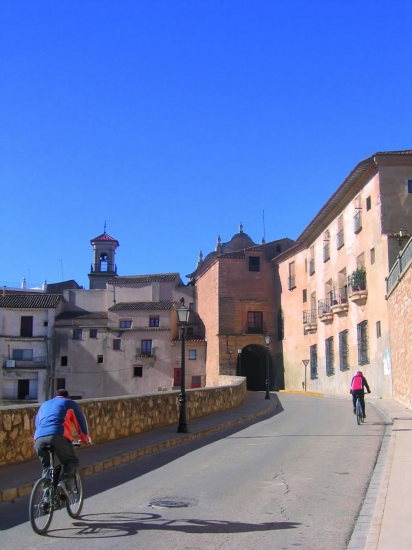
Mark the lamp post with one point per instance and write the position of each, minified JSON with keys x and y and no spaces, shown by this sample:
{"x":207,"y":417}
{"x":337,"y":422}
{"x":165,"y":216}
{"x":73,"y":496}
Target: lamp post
{"x":183,"y":315}
{"x":305,"y":362}
{"x":267,"y":342}
{"x":239,"y":351}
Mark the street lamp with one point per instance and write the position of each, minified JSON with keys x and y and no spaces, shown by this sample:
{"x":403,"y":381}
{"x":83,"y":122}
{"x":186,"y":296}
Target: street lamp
{"x":267,"y":342}
{"x":183,"y":315}
{"x":239,"y":351}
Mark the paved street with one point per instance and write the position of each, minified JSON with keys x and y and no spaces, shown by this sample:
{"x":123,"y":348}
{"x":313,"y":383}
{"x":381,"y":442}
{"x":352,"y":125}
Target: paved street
{"x":296,"y":479}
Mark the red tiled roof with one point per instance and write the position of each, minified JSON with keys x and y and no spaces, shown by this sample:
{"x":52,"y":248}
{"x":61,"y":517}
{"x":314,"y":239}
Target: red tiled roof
{"x":105,"y":237}
{"x":121,"y":306}
{"x":190,"y":339}
{"x":29,"y":301}
{"x":133,"y":279}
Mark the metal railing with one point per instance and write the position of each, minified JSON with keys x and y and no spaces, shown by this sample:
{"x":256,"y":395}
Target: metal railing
{"x":401,"y":264}
{"x":309,"y":316}
{"x":324,"y":307}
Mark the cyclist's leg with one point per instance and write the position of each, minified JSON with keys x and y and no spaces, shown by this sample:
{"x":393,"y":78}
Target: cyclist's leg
{"x":43,"y":455}
{"x":354,"y":401}
{"x":362,"y":400}
{"x":65,"y":453}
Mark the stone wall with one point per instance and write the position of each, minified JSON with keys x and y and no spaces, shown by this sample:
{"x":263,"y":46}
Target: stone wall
{"x":400,"y":323}
{"x":116,"y":417}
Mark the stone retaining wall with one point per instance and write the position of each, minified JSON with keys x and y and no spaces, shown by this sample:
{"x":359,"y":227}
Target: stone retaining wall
{"x":116,"y":417}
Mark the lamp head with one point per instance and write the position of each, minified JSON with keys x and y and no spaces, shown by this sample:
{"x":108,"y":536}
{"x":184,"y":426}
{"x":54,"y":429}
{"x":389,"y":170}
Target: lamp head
{"x":267,"y":339}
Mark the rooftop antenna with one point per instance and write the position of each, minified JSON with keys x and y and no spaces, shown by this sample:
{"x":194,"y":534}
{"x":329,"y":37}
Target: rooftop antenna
{"x":264,"y":230}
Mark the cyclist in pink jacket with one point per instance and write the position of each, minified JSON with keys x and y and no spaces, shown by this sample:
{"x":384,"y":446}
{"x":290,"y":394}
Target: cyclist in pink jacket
{"x":357,"y":389}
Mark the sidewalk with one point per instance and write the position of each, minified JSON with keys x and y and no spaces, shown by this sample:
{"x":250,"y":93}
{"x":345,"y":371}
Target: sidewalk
{"x":17,"y":480}
{"x":385,"y":521}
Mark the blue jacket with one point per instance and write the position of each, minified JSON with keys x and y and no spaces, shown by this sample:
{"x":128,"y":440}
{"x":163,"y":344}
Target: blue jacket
{"x":57,"y":416}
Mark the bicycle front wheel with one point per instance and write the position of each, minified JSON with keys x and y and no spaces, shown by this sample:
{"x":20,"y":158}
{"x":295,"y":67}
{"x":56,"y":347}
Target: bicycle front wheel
{"x":41,"y":505}
{"x":76,"y":491}
{"x":359,"y":413}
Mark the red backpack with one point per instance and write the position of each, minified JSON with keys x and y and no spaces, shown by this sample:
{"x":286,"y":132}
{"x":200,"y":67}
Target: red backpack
{"x":357,"y":382}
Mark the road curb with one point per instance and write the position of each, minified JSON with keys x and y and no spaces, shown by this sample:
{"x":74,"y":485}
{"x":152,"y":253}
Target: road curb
{"x":315,"y":394}
{"x":11,"y":494}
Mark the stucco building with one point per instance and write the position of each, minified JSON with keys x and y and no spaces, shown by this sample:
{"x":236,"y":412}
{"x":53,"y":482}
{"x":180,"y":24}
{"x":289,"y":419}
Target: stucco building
{"x":330,"y":319}
{"x":26,"y":344}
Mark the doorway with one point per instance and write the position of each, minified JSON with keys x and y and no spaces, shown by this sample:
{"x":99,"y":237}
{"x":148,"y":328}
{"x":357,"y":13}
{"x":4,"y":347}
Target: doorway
{"x":23,"y":389}
{"x":252,"y":365}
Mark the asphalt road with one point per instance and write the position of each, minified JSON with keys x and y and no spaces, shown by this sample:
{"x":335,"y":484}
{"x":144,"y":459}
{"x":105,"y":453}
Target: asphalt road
{"x":294,"y":480}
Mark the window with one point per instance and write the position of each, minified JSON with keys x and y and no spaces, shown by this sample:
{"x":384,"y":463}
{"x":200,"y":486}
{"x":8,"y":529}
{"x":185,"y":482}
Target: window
{"x":281,"y":325}
{"x":117,"y":344}
{"x":154,"y":321}
{"x":372,"y":256}
{"x":138,"y":372}
{"x":26,"y":326}
{"x":340,"y":240}
{"x":291,"y":278}
{"x":363,"y":350}
{"x":329,"y":356}
{"x":368,"y":203}
{"x":254,"y":263}
{"x":45,"y":323}
{"x":409,"y":186}
{"x":312,"y":260}
{"x":192,"y":354}
{"x":93,"y":333}
{"x":326,"y":246}
{"x":196,"y":382}
{"x":60,"y":383}
{"x":313,"y":362}
{"x":378,"y":329}
{"x":343,"y":351}
{"x":357,"y":220}
{"x":191,"y":306}
{"x":255,"y":322}
{"x":189,"y":331}
{"x":100,"y":358}
{"x":306,"y":265}
{"x":125,"y":323}
{"x":146,"y":347}
{"x":23,"y":354}
{"x":304,"y":295}
{"x":77,"y":334}
{"x":63,"y":361}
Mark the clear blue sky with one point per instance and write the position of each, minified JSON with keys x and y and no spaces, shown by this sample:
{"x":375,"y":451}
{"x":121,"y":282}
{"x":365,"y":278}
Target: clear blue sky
{"x":174,"y":120}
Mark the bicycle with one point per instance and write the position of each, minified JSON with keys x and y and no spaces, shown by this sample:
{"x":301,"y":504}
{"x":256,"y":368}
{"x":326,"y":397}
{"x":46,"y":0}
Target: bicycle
{"x":51,"y":493}
{"x":360,"y":416}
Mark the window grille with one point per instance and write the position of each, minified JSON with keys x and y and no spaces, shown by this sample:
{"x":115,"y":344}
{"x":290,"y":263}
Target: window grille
{"x":313,"y":362}
{"x":329,"y":356}
{"x":363,"y":349}
{"x":343,"y":351}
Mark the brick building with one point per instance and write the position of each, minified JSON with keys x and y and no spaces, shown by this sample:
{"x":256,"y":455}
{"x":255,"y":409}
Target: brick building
{"x":237,"y":307}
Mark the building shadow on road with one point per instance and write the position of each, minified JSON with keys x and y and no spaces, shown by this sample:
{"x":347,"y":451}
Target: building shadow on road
{"x":94,"y":526}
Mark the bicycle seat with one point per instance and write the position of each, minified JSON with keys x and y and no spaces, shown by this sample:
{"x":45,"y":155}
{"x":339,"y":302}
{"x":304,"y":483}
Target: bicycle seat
{"x":47,"y":447}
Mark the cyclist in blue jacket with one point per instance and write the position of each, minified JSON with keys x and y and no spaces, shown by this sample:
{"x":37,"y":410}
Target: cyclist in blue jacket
{"x":53,"y":424}
{"x":357,"y":389}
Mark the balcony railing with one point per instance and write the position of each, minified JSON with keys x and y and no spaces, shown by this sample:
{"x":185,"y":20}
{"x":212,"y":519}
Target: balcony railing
{"x":340,"y":239}
{"x":357,"y":221}
{"x":291,"y":282}
{"x":324,"y":307}
{"x":309,"y":317}
{"x":340,"y":296}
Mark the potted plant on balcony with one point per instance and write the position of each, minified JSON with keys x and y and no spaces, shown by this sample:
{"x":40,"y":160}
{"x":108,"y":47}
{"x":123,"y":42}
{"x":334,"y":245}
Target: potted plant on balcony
{"x":358,"y":279}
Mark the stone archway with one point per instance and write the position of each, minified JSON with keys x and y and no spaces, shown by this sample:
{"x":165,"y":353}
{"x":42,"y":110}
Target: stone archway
{"x":252,"y":365}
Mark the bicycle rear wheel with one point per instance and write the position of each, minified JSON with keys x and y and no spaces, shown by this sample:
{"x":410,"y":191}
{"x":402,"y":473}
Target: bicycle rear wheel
{"x":76,"y":491}
{"x":41,"y":505}
{"x":359,"y":413}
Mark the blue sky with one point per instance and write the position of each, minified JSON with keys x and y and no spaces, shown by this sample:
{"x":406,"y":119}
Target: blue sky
{"x":174,"y":120}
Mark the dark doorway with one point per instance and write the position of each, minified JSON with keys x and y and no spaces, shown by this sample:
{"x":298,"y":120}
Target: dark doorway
{"x":23,"y":389}
{"x":252,"y":365}
{"x":26,"y":326}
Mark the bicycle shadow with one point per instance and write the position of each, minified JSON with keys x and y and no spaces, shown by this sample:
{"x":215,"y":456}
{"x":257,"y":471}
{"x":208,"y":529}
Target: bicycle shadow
{"x":129,"y":524}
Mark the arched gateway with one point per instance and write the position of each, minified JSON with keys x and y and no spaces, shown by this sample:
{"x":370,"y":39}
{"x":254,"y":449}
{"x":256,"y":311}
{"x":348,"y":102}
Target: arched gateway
{"x":252,"y":363}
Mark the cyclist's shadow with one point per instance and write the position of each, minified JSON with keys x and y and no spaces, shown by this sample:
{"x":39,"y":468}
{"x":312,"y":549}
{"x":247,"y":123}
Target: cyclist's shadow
{"x":128,"y":524}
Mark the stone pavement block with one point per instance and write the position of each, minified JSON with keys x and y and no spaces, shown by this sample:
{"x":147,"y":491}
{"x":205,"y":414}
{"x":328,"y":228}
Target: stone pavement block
{"x":25,"y":490}
{"x":108,"y":464}
{"x":10,"y":494}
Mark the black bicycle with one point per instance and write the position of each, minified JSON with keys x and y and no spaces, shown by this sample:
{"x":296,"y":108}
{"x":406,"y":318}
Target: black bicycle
{"x":51,"y":493}
{"x":360,"y":417}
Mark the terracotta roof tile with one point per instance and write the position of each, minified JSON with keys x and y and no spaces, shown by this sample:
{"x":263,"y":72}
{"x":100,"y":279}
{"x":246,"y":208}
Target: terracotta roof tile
{"x":105,"y":237}
{"x":121,"y":306}
{"x":190,"y":339}
{"x":133,"y":279}
{"x":29,"y":301}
